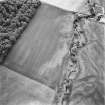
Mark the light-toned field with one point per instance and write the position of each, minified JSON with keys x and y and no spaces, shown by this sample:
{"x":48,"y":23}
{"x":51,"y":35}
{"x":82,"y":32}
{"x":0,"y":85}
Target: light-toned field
{"x":93,"y":55}
{"x":69,"y":5}
{"x":93,"y":69}
{"x":16,"y":89}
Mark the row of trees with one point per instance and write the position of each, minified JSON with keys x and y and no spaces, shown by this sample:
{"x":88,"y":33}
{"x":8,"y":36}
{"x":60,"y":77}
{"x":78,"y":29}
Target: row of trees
{"x":15,"y":16}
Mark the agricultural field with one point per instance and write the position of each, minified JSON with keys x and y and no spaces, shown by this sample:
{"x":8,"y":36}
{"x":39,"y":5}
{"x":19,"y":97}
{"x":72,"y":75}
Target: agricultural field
{"x":16,"y":89}
{"x":58,"y":58}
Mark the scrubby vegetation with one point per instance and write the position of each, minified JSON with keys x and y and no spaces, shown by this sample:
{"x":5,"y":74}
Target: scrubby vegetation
{"x":15,"y":15}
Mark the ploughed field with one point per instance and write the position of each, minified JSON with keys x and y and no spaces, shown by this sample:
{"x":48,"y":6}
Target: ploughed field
{"x":40,"y":44}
